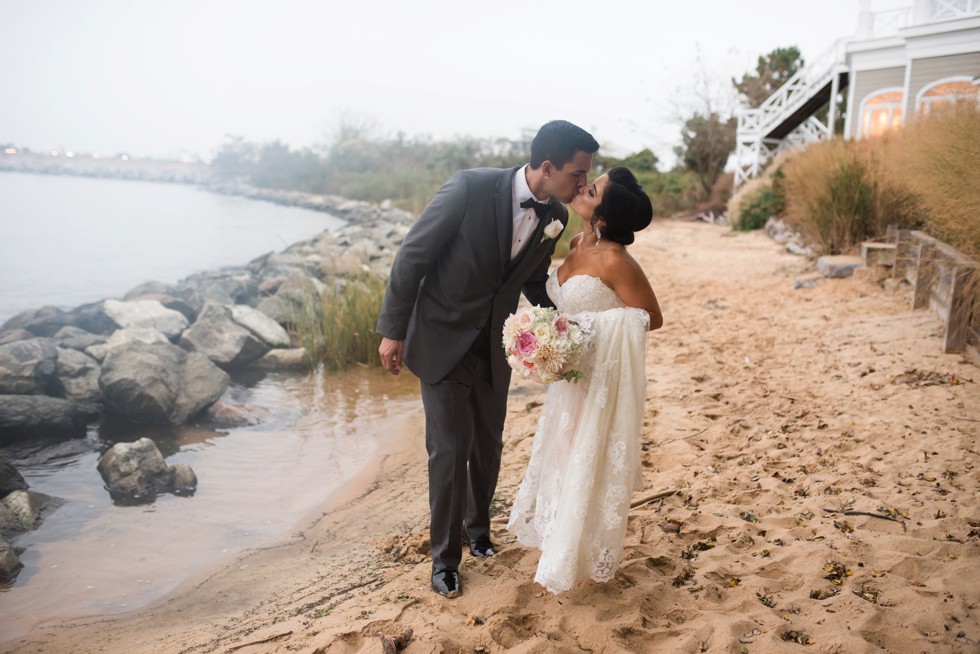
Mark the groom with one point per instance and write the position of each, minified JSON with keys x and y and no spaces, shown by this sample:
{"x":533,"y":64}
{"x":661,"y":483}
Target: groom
{"x":487,"y":235}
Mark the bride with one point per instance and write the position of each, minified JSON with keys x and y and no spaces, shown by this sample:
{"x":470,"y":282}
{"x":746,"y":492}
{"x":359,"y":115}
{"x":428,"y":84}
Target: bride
{"x":575,"y":496}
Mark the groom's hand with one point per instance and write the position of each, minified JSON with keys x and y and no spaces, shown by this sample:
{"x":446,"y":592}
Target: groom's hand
{"x":391,"y":354}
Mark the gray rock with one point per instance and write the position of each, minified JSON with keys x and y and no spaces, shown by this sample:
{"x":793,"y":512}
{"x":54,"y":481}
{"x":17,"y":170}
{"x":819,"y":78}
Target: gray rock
{"x":27,"y":506}
{"x":159,"y":383}
{"x":225,"y":416}
{"x":221,"y":339}
{"x":45,"y":321}
{"x":297,"y":292}
{"x":150,"y":288}
{"x":282,"y":359}
{"x":170,"y":302}
{"x":262,"y":326}
{"x":28,"y":366}
{"x":14,"y":335}
{"x":10,"y":479}
{"x":137,"y":472}
{"x":76,"y":338}
{"x":124,"y":336}
{"x":78,"y":376}
{"x":9,"y":524}
{"x":33,"y":415}
{"x":10,"y":564}
{"x":92,"y":318}
{"x":147,"y":313}
{"x":838,"y":266}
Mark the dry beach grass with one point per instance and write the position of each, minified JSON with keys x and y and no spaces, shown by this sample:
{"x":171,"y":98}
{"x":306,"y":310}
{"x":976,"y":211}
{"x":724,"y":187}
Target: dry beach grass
{"x":824,"y":454}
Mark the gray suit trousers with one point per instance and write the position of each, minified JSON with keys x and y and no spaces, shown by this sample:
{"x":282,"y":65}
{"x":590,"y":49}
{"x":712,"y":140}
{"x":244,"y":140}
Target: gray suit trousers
{"x":464,"y":422}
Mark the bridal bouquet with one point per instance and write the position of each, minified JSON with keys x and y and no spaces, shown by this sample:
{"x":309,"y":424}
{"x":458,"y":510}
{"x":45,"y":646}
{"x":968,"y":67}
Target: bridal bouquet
{"x":543,"y":345}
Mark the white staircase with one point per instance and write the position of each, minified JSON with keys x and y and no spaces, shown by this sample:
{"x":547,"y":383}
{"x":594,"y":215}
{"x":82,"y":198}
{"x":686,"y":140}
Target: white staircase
{"x":786,"y":119}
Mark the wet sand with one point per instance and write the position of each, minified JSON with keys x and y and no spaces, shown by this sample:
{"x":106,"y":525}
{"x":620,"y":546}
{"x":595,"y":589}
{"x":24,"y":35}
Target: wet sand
{"x":821,"y":449}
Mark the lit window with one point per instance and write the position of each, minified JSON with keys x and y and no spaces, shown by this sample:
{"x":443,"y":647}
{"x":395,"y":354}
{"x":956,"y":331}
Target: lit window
{"x":881,"y":113}
{"x":946,"y":93}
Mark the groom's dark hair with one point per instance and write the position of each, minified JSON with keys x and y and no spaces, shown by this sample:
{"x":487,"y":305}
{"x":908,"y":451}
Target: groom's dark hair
{"x":558,"y":141}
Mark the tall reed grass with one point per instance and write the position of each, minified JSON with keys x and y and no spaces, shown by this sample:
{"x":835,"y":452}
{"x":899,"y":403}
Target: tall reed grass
{"x":937,"y":158}
{"x":839,"y":193}
{"x":337,"y":326}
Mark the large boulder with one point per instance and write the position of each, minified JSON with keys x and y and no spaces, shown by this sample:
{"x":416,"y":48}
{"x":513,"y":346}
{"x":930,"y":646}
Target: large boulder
{"x":78,"y":376}
{"x":10,"y":564}
{"x":221,"y":339}
{"x":28,"y":507}
{"x":28,"y":367}
{"x":92,"y":318}
{"x":33,"y":415}
{"x":76,"y":338}
{"x":14,"y":335}
{"x":282,"y":359}
{"x":45,"y":321}
{"x":159,"y":383}
{"x":262,"y":326}
{"x":146,"y":313}
{"x":123,"y":336}
{"x":10,"y":479}
{"x":137,"y":472}
{"x":292,"y":297}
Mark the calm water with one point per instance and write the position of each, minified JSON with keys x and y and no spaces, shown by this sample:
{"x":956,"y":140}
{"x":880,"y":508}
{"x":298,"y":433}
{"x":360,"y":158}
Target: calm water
{"x":70,"y":240}
{"x":255,"y":486}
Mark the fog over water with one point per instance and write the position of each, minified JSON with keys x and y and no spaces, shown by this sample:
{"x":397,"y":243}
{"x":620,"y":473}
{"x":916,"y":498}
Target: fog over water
{"x":70,"y":240}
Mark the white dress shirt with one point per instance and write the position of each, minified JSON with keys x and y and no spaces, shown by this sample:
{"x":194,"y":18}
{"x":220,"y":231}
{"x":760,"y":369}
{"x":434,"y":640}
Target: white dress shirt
{"x":525,"y":220}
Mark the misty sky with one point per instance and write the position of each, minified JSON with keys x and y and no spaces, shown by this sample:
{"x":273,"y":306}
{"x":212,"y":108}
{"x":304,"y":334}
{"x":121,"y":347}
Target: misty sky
{"x":170,"y":77}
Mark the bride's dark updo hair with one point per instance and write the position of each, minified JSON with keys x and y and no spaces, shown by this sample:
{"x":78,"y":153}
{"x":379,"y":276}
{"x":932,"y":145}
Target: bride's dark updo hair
{"x":625,"y":207}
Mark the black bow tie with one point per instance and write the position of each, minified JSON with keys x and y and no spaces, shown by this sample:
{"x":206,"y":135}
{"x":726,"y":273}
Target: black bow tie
{"x":540,"y":208}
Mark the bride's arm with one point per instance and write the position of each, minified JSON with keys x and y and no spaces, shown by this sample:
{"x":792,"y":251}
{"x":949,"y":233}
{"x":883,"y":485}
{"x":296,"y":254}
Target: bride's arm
{"x":627,"y":278}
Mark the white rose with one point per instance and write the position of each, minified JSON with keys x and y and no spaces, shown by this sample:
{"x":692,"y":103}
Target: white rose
{"x":553,"y":229}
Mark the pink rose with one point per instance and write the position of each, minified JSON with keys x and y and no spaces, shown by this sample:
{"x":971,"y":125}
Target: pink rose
{"x":526,"y":343}
{"x":561,"y":325}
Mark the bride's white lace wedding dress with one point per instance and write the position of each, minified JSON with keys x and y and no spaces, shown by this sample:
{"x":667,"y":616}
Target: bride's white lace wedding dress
{"x":585,"y":460}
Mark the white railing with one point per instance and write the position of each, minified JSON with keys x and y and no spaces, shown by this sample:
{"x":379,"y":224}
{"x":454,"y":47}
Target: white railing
{"x":889,"y":22}
{"x":947,"y":9}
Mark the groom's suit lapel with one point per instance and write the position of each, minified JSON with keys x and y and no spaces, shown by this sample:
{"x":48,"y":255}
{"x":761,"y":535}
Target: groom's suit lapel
{"x":503,"y":203}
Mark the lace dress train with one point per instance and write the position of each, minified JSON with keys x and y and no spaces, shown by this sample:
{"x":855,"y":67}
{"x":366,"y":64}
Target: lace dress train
{"x":574,"y":499}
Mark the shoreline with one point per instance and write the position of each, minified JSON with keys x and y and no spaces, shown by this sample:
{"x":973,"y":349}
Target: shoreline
{"x":773,"y":410}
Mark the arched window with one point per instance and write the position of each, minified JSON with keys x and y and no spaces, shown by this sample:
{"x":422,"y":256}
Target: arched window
{"x":881,"y":112}
{"x":946,"y":93}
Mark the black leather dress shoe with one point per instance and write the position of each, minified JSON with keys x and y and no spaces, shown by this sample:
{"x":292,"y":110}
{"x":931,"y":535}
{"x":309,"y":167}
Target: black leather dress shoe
{"x":446,"y":583}
{"x":482,"y":549}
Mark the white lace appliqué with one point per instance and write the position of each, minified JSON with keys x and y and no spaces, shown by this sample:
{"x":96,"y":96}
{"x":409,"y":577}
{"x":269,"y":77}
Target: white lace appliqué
{"x":574,"y":498}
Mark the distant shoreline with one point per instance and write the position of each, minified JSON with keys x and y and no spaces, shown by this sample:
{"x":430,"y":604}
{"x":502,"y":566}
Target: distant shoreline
{"x":147,"y":170}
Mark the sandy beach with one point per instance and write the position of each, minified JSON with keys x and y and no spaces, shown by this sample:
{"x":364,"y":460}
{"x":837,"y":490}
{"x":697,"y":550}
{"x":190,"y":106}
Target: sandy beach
{"x":816,"y":455}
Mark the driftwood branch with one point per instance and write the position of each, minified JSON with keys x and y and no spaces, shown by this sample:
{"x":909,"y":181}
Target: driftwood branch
{"x":260,"y":642}
{"x":652,"y":498}
{"x":867,"y":513}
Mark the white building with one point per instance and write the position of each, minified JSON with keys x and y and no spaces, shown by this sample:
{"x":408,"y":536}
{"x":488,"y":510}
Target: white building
{"x":901,"y":64}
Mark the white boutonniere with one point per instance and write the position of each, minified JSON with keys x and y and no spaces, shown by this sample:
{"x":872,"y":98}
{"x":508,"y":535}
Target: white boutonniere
{"x":553,"y":229}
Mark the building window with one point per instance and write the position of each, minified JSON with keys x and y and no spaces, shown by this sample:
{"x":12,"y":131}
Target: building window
{"x":881,"y":112}
{"x":946,"y":93}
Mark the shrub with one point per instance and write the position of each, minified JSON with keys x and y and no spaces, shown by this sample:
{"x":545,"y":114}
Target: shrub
{"x":838,"y":195}
{"x":755,"y":208}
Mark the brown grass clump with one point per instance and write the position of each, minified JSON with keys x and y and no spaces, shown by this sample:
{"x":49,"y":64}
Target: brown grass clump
{"x":838,"y":194}
{"x":937,"y":158}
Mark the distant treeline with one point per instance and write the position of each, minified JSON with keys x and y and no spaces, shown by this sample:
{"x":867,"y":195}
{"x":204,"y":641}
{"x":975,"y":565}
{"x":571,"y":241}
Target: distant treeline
{"x":408,"y":171}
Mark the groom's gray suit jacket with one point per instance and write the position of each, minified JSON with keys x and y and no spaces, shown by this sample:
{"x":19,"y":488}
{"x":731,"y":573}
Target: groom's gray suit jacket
{"x":452,"y":275}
